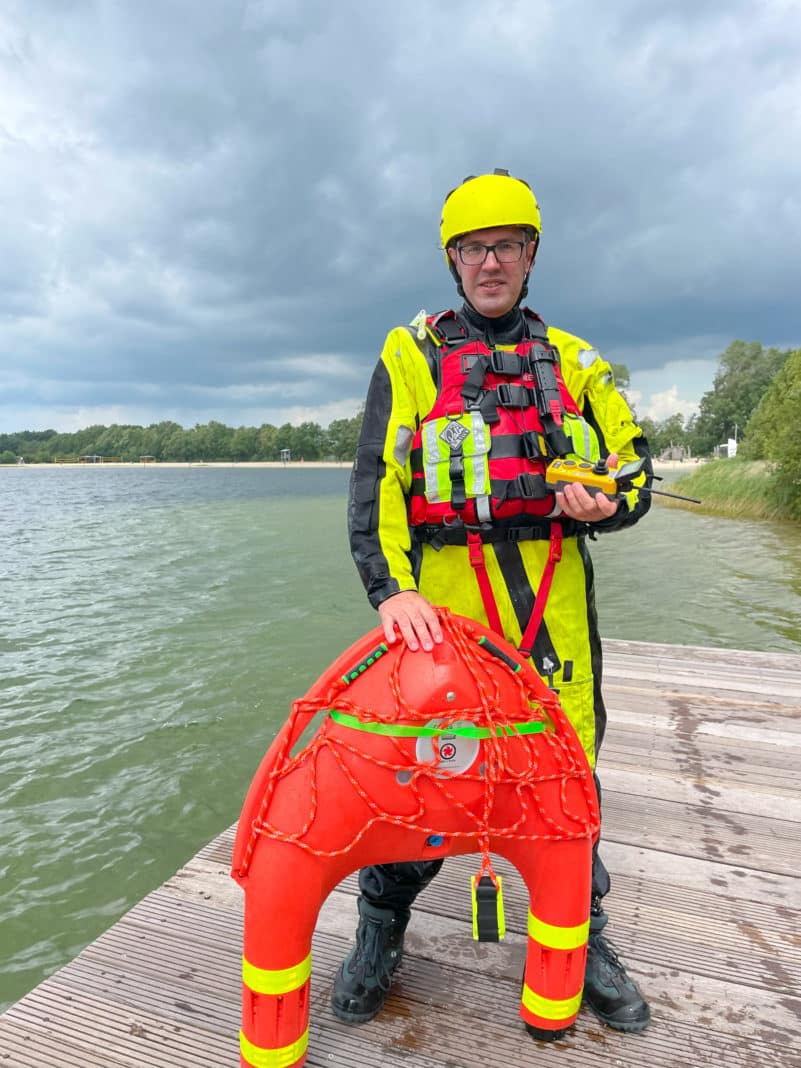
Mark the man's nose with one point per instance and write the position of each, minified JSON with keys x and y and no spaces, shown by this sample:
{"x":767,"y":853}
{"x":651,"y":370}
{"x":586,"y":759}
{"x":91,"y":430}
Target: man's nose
{"x":491,"y":252}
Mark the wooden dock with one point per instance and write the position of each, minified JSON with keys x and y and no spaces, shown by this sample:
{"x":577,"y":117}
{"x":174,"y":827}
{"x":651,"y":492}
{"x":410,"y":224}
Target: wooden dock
{"x":702,"y":829}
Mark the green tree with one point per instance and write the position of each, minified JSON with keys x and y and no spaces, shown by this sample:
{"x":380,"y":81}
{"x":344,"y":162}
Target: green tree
{"x":179,"y":446}
{"x":744,"y":373}
{"x":267,"y":437}
{"x":8,"y":457}
{"x":772,"y":432}
{"x":307,"y":443}
{"x":342,"y":437}
{"x":212,"y":441}
{"x":670,"y":431}
{"x":156,"y":436}
{"x":245,"y":443}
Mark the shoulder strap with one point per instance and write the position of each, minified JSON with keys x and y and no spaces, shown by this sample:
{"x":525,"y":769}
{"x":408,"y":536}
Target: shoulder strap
{"x":433,"y":334}
{"x":535,"y":327}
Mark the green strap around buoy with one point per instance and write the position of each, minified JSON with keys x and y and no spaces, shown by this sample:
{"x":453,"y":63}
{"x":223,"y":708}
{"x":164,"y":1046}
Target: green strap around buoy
{"x":408,"y":730}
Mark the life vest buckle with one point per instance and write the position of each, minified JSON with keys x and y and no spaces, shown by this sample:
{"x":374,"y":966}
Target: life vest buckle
{"x":475,"y":547}
{"x":530,"y":444}
{"x":502,"y":362}
{"x":515,"y":396}
{"x":529,"y":487}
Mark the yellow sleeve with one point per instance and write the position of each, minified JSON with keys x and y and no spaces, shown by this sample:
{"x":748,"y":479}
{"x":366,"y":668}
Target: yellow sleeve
{"x":401,"y":392}
{"x":589,"y":378}
{"x":591,"y":383}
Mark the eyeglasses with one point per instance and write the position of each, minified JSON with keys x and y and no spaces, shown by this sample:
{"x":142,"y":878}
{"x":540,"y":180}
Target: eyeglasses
{"x":505,"y":252}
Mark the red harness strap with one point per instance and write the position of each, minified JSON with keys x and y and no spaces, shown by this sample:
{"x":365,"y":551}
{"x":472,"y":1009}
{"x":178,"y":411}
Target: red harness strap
{"x":554,"y":556}
{"x":475,"y":548}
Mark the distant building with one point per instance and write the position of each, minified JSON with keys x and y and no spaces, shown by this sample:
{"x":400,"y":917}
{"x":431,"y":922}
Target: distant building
{"x":675,"y":452}
{"x":727,"y":449}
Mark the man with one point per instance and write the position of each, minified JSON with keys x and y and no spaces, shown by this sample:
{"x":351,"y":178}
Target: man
{"x":449,"y":506}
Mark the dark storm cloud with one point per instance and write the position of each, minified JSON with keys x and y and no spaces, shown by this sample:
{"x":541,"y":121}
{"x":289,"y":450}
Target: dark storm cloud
{"x":217,"y":210}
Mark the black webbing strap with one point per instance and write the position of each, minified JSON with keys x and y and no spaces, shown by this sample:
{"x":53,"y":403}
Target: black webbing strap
{"x":456,"y":476}
{"x":513,"y":446}
{"x":436,"y":535}
{"x":526,"y":487}
{"x":515,"y":396}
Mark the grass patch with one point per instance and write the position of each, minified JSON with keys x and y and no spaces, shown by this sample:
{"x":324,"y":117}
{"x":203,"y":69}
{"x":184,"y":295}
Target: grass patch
{"x":737,"y":488}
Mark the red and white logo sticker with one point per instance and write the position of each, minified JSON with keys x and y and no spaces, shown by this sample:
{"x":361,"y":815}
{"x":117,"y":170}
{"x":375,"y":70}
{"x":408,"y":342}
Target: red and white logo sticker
{"x":454,"y":753}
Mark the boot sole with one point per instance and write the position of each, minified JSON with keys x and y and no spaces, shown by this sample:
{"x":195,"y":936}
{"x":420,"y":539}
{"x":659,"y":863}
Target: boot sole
{"x":629,"y":1027}
{"x":355,"y":1017}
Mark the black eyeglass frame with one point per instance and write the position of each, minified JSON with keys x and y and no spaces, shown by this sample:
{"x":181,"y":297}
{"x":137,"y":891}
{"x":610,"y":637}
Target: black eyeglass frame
{"x":488,"y":249}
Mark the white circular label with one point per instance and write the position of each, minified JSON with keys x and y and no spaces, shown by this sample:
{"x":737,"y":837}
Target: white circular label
{"x":453,"y":752}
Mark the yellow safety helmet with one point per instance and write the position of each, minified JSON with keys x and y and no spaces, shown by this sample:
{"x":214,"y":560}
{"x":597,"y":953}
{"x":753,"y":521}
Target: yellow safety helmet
{"x":487,"y":200}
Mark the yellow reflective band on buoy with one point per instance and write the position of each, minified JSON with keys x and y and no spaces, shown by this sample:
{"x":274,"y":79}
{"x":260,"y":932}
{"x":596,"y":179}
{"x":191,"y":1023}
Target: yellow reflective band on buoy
{"x":548,"y":1008}
{"x":279,"y":981}
{"x":283,"y":1057}
{"x":557,"y":937}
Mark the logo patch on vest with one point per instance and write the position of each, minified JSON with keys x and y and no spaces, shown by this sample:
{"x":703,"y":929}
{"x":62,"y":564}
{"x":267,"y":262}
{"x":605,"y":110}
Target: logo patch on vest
{"x":454,"y":434}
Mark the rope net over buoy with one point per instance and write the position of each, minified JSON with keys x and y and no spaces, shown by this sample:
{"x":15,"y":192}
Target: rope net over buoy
{"x":428,"y":742}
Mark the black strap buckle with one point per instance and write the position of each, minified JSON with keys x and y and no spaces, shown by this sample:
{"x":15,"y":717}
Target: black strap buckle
{"x":507,"y":363}
{"x":530,"y":487}
{"x":530,"y":445}
{"x":515,"y":396}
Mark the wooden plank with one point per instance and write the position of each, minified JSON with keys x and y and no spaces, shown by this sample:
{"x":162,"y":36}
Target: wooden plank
{"x":703,"y":832}
{"x":673,"y":785}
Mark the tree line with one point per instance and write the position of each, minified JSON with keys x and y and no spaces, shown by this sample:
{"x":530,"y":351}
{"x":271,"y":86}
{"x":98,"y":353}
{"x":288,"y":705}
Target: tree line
{"x":755,"y":399}
{"x":167,"y":441}
{"x":745,"y":371}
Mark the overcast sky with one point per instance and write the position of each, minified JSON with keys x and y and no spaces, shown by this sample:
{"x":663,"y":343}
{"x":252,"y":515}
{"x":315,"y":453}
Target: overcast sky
{"x":215,"y":209}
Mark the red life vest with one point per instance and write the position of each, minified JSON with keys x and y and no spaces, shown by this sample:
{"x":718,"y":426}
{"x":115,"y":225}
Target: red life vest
{"x":480,"y":454}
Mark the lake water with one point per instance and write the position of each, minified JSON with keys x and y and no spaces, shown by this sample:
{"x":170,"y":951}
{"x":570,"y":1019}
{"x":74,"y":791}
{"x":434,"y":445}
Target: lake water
{"x":155,"y":625}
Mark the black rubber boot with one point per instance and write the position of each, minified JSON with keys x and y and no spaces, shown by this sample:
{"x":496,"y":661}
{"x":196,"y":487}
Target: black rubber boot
{"x":364,"y":979}
{"x":608,"y":990}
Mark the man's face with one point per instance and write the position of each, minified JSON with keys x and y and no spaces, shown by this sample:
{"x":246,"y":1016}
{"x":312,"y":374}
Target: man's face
{"x":492,"y":287}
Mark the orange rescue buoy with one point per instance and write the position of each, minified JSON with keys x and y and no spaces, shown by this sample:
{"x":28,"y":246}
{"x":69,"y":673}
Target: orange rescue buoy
{"x":420,"y":755}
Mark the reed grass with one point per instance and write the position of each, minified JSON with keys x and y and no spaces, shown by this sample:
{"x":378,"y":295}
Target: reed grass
{"x":737,"y":488}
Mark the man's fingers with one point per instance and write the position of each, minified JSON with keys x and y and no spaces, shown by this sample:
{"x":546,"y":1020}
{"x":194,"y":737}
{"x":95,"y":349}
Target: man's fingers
{"x":410,"y":615}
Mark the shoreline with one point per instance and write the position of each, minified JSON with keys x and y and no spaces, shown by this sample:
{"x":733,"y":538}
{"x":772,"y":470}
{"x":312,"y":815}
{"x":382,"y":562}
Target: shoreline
{"x":295,"y":465}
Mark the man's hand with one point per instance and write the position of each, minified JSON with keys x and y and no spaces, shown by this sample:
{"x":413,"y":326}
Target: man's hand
{"x":414,"y":617}
{"x":576,"y":502}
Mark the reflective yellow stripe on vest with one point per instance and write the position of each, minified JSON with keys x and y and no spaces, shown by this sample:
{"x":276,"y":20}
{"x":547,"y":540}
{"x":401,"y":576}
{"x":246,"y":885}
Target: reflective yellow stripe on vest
{"x":276,"y":981}
{"x":549,"y":1009}
{"x":470,"y":435}
{"x":259,"y":1057}
{"x":557,"y":937}
{"x":583,"y":436}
